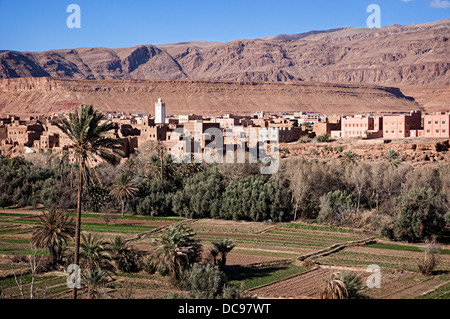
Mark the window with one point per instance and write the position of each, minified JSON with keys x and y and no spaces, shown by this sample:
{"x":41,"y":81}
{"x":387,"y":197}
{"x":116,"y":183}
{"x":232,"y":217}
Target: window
{"x":428,"y":131}
{"x":443,"y":122}
{"x":429,"y":122}
{"x":437,"y":131}
{"x":392,"y":123}
{"x":400,"y":124}
{"x":436,"y":122}
{"x":401,"y":131}
{"x":392,"y":132}
{"x":387,"y":132}
{"x":444,"y":131}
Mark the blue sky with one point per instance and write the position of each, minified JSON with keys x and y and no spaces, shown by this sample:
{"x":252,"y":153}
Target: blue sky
{"x":27,"y":25}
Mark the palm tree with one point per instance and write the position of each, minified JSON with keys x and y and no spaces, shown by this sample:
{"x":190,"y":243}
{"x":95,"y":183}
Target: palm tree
{"x":223,"y":247}
{"x":349,"y":158}
{"x":94,"y":280}
{"x":90,"y":139}
{"x":214,"y":253}
{"x":333,"y":288}
{"x":95,"y":254}
{"x":123,"y":189}
{"x":177,"y":250}
{"x":393,"y":158}
{"x":54,"y":230}
{"x":121,"y":254}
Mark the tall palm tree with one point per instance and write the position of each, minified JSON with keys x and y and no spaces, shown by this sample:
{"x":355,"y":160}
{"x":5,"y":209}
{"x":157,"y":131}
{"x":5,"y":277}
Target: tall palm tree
{"x":177,"y":250}
{"x":54,"y":230}
{"x":393,"y":158}
{"x":123,"y":189}
{"x":91,"y":139}
{"x":223,"y":247}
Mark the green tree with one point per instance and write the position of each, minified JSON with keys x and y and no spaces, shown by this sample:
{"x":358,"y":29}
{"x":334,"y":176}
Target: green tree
{"x":334,"y":207}
{"x":123,"y":189}
{"x":54,"y":230}
{"x":177,"y":250}
{"x":154,"y":198}
{"x":201,"y":196}
{"x":421,"y":215}
{"x":253,"y":198}
{"x":91,"y":138}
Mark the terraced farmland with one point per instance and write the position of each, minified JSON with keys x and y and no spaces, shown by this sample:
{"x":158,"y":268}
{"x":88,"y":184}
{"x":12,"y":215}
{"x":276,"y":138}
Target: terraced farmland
{"x":266,"y":258}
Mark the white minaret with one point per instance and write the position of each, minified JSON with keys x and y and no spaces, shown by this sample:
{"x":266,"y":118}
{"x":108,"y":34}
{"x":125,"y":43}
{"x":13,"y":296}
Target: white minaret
{"x":160,"y":112}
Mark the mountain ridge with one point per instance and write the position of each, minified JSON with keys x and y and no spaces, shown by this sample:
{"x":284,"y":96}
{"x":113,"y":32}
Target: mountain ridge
{"x":417,"y":54}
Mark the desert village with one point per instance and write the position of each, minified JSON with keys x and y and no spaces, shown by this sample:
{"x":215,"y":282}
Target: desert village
{"x":39,"y":133}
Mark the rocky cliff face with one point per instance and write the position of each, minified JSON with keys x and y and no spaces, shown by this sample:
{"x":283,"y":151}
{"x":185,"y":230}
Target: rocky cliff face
{"x":48,"y":95}
{"x":393,"y":55}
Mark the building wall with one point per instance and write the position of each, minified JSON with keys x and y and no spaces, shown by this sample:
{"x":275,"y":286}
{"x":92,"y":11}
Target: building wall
{"x":353,"y":127}
{"x":400,"y":126}
{"x":437,"y":125}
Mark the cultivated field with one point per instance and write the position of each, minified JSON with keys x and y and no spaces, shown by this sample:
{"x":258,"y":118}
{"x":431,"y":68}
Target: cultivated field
{"x":267,"y":258}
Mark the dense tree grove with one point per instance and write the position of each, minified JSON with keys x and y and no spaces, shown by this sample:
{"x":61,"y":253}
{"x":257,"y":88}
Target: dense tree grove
{"x":406,"y":202}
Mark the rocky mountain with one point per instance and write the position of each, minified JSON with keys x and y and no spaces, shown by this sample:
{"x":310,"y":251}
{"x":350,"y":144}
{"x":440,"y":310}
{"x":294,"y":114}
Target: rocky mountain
{"x":49,"y":95}
{"x":393,"y":55}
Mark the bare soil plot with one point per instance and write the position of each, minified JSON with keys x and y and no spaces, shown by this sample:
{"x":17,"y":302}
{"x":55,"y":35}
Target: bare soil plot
{"x":243,"y":259}
{"x":228,"y":226}
{"x":300,"y":286}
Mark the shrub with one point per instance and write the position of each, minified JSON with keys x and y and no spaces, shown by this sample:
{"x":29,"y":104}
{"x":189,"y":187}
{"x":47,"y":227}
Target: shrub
{"x":431,"y":258}
{"x":325,"y":138}
{"x":447,"y":217}
{"x":353,"y":283}
{"x":333,"y":288}
{"x":338,"y":149}
{"x":208,"y":282}
{"x":148,"y":264}
{"x":304,"y":140}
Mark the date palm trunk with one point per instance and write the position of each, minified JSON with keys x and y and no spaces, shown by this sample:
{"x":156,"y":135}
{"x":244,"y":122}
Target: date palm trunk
{"x":78,"y":224}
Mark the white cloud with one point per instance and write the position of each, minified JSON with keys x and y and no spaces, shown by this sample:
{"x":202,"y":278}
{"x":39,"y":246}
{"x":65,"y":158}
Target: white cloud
{"x":440,"y":4}
{"x":406,"y":1}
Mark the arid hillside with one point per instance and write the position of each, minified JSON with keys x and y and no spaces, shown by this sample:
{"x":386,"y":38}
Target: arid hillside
{"x":393,"y":55}
{"x":48,"y":95}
